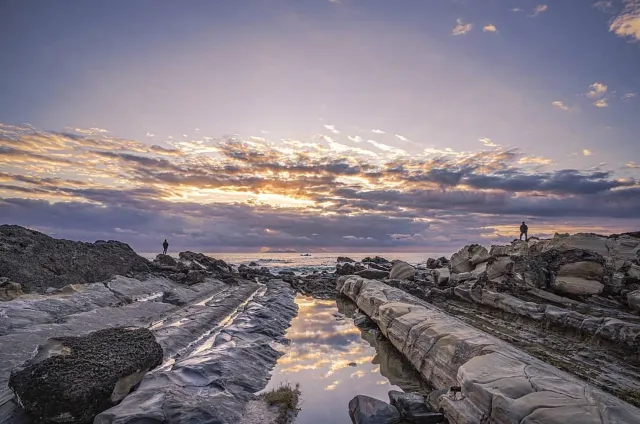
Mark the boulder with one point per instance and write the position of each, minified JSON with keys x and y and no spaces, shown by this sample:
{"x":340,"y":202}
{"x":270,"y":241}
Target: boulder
{"x":583,"y":269}
{"x":198,"y":261}
{"x":499,"y":268}
{"x":577,"y":286}
{"x":633,"y":299}
{"x":402,"y":271}
{"x":253,"y":263}
{"x":37,"y":261}
{"x":348,"y":268}
{"x":373,"y":274}
{"x":165,"y":260}
{"x":413,"y":408}
{"x":363,"y":321}
{"x":441,"y":276}
{"x":9,"y":290}
{"x":432,"y":263}
{"x":367,"y":410}
{"x":466,"y":259}
{"x":194,"y":277}
{"x":384,"y":267}
{"x":344,"y":259}
{"x":378,"y":260}
{"x":72,"y":379}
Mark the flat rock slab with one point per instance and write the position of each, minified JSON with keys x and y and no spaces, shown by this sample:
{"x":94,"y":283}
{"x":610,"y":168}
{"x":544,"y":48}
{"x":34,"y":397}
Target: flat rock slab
{"x":72,"y":379}
{"x":500,"y":383}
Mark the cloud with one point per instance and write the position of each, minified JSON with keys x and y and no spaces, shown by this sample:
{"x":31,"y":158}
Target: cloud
{"x":560,"y":105}
{"x":604,"y":5}
{"x":148,"y":134}
{"x":377,"y":131}
{"x":628,"y":96}
{"x":310,"y":194}
{"x":627,"y":23}
{"x":601,"y":103}
{"x":587,"y":152}
{"x":541,"y":8}
{"x":632,"y":165}
{"x":490,"y":28}
{"x":597,"y":90}
{"x":356,"y":139}
{"x":401,"y":137}
{"x":516,"y":10}
{"x":332,"y":128}
{"x":461,"y":28}
{"x":488,"y":143}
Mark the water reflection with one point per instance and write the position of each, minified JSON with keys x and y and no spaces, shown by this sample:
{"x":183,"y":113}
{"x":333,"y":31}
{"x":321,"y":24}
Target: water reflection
{"x":334,"y":361}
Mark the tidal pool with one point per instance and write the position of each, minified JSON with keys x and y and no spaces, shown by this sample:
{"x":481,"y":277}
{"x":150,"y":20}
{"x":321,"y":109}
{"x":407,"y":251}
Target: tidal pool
{"x":333,"y":361}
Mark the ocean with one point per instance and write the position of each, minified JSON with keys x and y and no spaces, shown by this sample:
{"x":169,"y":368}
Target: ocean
{"x":317,"y":261}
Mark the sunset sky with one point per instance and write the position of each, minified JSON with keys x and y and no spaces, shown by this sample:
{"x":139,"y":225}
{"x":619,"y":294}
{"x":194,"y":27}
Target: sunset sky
{"x":339,"y":125}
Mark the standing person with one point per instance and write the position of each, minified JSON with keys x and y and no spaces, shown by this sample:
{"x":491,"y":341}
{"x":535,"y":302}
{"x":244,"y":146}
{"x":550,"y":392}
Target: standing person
{"x":524,"y":230}
{"x":165,"y":246}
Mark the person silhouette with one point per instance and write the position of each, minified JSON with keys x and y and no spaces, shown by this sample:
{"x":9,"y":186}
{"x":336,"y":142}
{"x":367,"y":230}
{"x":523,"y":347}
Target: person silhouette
{"x":524,"y":230}
{"x":165,"y":246}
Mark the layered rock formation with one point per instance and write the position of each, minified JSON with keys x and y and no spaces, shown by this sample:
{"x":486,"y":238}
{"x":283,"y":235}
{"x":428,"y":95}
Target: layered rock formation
{"x":499,"y":383}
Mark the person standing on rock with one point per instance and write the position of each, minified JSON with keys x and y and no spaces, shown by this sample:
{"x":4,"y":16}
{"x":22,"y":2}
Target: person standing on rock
{"x":523,"y":231}
{"x":165,"y":246}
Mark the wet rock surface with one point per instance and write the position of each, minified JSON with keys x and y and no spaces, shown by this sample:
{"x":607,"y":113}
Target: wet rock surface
{"x":413,"y":408}
{"x":37,"y":261}
{"x":72,"y":379}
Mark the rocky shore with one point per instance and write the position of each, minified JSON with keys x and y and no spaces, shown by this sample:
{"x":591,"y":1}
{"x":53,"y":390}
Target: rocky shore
{"x":534,"y":331}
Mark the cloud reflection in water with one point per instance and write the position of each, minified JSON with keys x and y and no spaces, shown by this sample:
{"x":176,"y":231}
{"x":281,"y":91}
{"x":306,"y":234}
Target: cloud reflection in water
{"x":324,"y":342}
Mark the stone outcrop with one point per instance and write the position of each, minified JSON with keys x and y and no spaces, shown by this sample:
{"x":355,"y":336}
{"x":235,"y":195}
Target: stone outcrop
{"x":467,"y":258}
{"x":9,"y":290}
{"x":199,"y":261}
{"x":72,"y":379}
{"x":349,"y":268}
{"x":500,"y":383}
{"x":373,"y":274}
{"x":402,"y":271}
{"x":344,"y":259}
{"x":37,"y":261}
{"x":633,"y":299}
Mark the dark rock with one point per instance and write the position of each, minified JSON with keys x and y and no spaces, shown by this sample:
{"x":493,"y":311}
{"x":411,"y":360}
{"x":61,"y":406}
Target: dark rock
{"x":165,"y":260}
{"x":363,"y":321}
{"x":373,"y":274}
{"x":290,"y":273}
{"x":384,"y":267}
{"x":378,"y":260}
{"x":37,"y":261}
{"x":173,"y":298}
{"x":9,"y":290}
{"x":344,"y":259}
{"x":194,"y":277}
{"x":253,"y":263}
{"x":413,"y":408}
{"x":348,"y":268}
{"x":72,"y":379}
{"x":198,"y":261}
{"x":433,"y":263}
{"x":367,"y":410}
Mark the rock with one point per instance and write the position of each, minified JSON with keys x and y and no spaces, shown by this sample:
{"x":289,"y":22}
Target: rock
{"x":252,"y":263}
{"x":402,"y":271}
{"x":363,"y":321}
{"x":633,"y":299}
{"x":378,"y":260}
{"x":367,"y":410}
{"x":441,"y":276}
{"x":577,"y":286}
{"x":373,"y":274}
{"x":344,"y":259}
{"x":384,"y":267}
{"x":165,"y":260}
{"x":170,"y":296}
{"x":582,"y":269}
{"x":37,"y":261}
{"x":9,"y":290}
{"x":287,"y":273}
{"x":348,"y":268}
{"x":72,"y":379}
{"x":466,"y":259}
{"x":194,"y":277}
{"x":413,"y":408}
{"x":198,"y":261}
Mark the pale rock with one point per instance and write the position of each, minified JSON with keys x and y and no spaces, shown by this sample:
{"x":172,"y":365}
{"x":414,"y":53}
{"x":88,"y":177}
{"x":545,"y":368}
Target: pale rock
{"x":402,"y":271}
{"x":577,"y":286}
{"x":633,"y":299}
{"x":584,"y":269}
{"x":441,"y":276}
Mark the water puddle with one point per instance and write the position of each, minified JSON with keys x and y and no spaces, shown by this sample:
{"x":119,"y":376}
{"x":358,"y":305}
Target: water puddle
{"x":333,"y":361}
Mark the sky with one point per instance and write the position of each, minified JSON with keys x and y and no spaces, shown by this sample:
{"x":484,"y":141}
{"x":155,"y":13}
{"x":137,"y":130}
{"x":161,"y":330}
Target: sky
{"x":319,"y":125}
